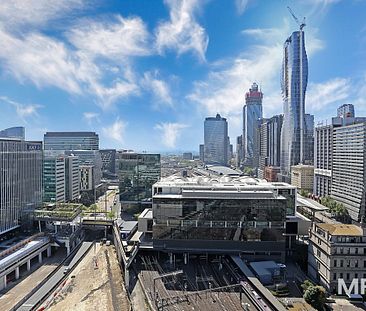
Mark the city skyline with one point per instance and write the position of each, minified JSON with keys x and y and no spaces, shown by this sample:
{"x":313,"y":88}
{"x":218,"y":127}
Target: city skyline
{"x":177,"y":65}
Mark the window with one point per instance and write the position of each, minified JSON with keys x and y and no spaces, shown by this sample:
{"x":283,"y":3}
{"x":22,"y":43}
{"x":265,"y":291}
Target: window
{"x":356,"y":250}
{"x":318,"y":253}
{"x":356,"y":264}
{"x":334,"y":276}
{"x":356,"y":275}
{"x":341,"y":275}
{"x":335,"y":263}
{"x":347,"y":276}
{"x":341,"y":263}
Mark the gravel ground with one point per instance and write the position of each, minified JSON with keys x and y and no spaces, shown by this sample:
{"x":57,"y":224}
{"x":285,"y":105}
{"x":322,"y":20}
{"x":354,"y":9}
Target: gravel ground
{"x":94,"y":288}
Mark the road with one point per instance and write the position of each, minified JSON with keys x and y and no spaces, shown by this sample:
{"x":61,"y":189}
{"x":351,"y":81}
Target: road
{"x":54,"y":279}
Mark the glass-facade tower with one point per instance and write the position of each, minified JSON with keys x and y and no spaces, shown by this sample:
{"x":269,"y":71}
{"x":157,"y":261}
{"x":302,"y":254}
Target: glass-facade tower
{"x":216,"y":140}
{"x":294,"y":78}
{"x":252,"y":112}
{"x":20,"y":181}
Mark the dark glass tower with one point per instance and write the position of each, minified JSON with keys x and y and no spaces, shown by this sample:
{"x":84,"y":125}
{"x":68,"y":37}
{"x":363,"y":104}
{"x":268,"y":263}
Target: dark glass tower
{"x":294,"y":79}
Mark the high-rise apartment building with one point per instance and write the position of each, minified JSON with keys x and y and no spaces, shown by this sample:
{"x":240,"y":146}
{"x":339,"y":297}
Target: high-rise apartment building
{"x":216,"y":140}
{"x":20,"y":181}
{"x":323,"y":160}
{"x":349,"y":168}
{"x":346,"y":110}
{"x":71,"y":141}
{"x":252,"y":113}
{"x":17,"y":132}
{"x":294,"y":80}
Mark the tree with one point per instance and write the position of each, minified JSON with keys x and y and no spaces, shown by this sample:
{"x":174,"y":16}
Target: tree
{"x":306,"y":285}
{"x":315,"y":296}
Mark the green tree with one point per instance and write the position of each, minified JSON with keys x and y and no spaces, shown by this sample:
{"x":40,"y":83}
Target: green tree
{"x":306,"y":285}
{"x":315,"y":296}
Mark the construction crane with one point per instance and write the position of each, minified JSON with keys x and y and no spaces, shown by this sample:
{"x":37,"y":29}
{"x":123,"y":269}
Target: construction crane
{"x":302,"y":25}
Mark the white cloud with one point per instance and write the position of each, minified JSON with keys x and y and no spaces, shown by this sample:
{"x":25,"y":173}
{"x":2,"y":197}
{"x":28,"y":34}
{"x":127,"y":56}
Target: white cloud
{"x":115,"y":131}
{"x":23,"y":111}
{"x":27,"y":13}
{"x":158,"y":87}
{"x":223,"y":91}
{"x":182,"y":33}
{"x":115,"y":38}
{"x":91,"y":116}
{"x":321,"y":95}
{"x":170,"y":132}
{"x":241,"y":5}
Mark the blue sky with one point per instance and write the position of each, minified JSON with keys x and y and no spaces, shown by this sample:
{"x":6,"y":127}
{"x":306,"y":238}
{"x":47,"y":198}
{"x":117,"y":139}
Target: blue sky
{"x":145,"y":73}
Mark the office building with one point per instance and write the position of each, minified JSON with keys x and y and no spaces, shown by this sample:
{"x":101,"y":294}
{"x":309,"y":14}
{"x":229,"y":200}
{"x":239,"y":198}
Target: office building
{"x":71,"y":141}
{"x":61,"y":179}
{"x":252,"y":113}
{"x":90,"y":157}
{"x":346,"y":111}
{"x":215,"y":140}
{"x":137,"y":172}
{"x":20,"y":181}
{"x":84,"y":145}
{"x":323,"y":160}
{"x":87,"y":178}
{"x":336,"y":251}
{"x":270,"y":143}
{"x":108,"y":162}
{"x":294,"y":78}
{"x":72,"y":178}
{"x":54,"y":179}
{"x":17,"y":132}
{"x":227,"y":214}
{"x":302,"y":177}
{"x":349,"y":168}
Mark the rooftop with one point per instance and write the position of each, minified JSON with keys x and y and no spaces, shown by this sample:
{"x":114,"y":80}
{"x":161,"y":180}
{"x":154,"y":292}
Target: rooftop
{"x":342,"y":229}
{"x":221,"y":182}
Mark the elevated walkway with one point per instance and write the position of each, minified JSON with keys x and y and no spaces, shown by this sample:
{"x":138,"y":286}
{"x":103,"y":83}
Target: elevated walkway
{"x":20,"y":254}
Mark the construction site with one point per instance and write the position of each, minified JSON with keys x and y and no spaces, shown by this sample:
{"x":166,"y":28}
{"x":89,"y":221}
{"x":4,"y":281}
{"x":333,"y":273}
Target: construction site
{"x":95,"y":284}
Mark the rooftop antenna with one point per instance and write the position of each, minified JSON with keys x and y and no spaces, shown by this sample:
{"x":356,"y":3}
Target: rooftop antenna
{"x":302,"y":24}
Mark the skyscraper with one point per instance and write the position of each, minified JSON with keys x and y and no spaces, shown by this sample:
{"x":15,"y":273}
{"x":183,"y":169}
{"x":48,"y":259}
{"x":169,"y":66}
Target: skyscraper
{"x":294,"y":78}
{"x":252,"y":112}
{"x":215,"y":140}
{"x":20,"y":181}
